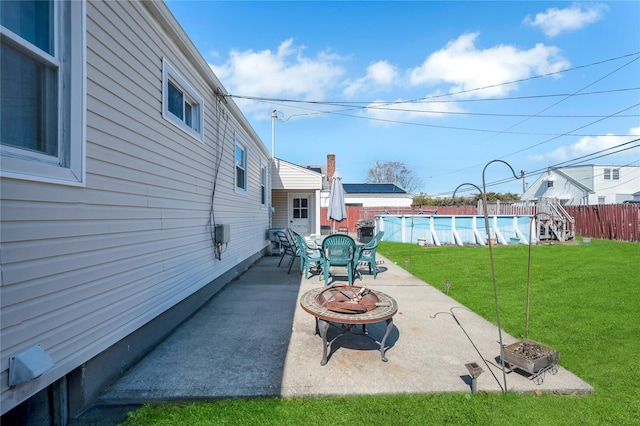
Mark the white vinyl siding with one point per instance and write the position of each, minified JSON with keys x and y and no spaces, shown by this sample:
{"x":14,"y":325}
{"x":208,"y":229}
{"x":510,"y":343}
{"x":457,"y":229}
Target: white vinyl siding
{"x":83,"y":267}
{"x":289,"y":176}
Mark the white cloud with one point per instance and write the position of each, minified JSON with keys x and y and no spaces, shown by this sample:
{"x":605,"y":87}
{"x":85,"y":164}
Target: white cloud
{"x":465,"y":67}
{"x":380,"y":76}
{"x":555,"y":21}
{"x":285,"y":73}
{"x":588,"y":145}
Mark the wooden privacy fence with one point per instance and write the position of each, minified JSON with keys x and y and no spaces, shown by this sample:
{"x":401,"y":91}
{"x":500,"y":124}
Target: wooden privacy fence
{"x":610,"y":221}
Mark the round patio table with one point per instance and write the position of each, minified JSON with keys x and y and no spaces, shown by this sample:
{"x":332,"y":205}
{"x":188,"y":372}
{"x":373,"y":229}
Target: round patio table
{"x":385,"y":312}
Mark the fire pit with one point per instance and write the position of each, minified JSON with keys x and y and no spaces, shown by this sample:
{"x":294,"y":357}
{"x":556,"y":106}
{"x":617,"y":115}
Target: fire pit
{"x":533,"y":358}
{"x":349,"y":305}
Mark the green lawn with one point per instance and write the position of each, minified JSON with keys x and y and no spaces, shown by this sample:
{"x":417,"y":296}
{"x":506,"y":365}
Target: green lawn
{"x":584,"y":302}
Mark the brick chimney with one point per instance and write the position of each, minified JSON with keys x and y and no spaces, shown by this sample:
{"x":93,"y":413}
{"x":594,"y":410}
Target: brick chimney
{"x":331,"y":167}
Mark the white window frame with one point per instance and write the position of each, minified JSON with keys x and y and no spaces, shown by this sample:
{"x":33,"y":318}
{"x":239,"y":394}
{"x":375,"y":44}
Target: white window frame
{"x":239,"y":144}
{"x":68,"y":167}
{"x":263,"y":185}
{"x":191,"y":97}
{"x":607,"y":174}
{"x":615,"y":174}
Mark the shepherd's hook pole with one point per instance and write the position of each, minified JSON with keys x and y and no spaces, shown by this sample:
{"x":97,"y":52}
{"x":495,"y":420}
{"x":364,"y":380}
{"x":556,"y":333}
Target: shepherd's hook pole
{"x":493,"y":269}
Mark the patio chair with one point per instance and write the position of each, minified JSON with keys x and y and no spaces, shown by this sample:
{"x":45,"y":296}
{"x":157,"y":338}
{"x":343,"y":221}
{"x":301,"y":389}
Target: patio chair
{"x":287,"y":247}
{"x":338,"y":250}
{"x":367,"y":253}
{"x":310,"y":255}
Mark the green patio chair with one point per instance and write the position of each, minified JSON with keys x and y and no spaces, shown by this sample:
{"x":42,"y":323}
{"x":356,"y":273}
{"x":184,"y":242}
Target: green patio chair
{"x":338,"y":250}
{"x":310,"y":255}
{"x":367,"y":253}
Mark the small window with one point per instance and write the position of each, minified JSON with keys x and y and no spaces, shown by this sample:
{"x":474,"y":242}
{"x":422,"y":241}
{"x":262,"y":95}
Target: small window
{"x":300,"y":208}
{"x":549,"y":184}
{"x":616,"y":174}
{"x":43,"y":90}
{"x":607,"y":174}
{"x":241,"y":166}
{"x":263,"y":186}
{"x":601,"y":200}
{"x":181,"y":104}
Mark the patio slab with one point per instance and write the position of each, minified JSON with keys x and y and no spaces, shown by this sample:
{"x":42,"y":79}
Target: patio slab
{"x":253,"y":339}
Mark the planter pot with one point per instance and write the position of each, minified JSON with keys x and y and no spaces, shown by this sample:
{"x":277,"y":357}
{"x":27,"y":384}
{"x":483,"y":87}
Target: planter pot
{"x":530,"y":356}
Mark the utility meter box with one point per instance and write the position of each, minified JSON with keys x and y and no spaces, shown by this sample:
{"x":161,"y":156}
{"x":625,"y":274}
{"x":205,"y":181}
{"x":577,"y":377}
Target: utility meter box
{"x":223,"y":234}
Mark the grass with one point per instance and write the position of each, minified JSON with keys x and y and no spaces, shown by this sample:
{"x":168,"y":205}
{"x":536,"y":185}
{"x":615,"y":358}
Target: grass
{"x":584,"y":302}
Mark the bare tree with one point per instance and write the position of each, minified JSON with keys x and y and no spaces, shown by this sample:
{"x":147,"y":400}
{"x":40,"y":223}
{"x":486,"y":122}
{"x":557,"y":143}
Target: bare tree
{"x":392,"y":172}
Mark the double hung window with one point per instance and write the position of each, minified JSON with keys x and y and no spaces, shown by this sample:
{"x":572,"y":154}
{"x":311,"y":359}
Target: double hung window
{"x":616,"y":174}
{"x":42,"y":90}
{"x":263,"y":186}
{"x":241,"y":166}
{"x":182,"y":105}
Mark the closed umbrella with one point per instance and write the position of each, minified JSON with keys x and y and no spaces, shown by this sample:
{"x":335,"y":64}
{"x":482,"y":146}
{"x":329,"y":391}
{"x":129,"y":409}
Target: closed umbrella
{"x":337,"y":210}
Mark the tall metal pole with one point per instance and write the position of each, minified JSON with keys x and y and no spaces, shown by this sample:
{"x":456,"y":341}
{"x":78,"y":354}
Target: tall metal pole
{"x":274,"y":114}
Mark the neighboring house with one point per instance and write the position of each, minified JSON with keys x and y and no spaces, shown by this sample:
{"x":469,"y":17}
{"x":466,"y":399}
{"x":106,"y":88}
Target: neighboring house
{"x":119,"y":159}
{"x":376,"y":195}
{"x":586,"y":185}
{"x":363,"y":194}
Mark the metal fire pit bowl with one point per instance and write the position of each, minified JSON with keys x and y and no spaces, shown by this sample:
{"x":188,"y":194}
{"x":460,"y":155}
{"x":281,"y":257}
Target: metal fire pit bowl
{"x":533,"y":358}
{"x":348,"y":299}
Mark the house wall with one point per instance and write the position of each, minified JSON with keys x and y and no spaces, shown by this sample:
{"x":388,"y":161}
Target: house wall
{"x":85,"y":267}
{"x":288,"y":178}
{"x":280,"y":200}
{"x":566,"y":188}
{"x":615,"y":191}
{"x":370,"y":200}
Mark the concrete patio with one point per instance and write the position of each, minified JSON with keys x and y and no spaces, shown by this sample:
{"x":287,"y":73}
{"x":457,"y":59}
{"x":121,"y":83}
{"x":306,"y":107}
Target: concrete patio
{"x":253,"y":339}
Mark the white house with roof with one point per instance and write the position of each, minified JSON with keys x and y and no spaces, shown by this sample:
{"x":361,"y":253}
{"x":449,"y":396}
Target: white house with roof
{"x":376,"y":195}
{"x":587,"y":185}
{"x":296,"y":197}
{"x":365,"y":194}
{"x":131,"y":191}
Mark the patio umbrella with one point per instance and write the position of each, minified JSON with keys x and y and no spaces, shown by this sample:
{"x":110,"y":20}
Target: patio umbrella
{"x":337,"y":210}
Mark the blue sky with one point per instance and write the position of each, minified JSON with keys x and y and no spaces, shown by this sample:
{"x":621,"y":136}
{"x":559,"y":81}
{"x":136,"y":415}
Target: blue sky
{"x":444,"y":87}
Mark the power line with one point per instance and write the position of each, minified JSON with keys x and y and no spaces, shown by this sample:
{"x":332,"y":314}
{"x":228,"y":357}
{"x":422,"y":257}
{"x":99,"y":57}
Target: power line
{"x":569,"y":163}
{"x":576,"y":161}
{"x":434,"y":98}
